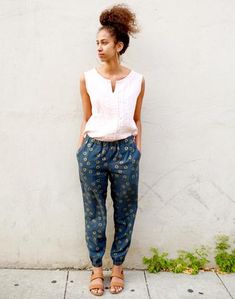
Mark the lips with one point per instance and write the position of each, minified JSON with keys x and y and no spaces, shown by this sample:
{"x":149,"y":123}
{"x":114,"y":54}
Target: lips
{"x":100,"y":54}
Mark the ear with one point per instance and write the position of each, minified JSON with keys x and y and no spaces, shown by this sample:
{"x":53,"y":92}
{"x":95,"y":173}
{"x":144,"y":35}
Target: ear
{"x":120,"y":46}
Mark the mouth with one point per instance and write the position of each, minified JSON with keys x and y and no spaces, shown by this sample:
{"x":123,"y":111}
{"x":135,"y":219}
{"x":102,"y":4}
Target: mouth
{"x":100,"y":55}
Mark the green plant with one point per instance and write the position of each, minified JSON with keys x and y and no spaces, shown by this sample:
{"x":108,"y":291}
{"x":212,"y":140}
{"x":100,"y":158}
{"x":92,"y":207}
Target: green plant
{"x":190,"y":261}
{"x":224,"y":259}
{"x":187,"y":262}
{"x":157,"y":262}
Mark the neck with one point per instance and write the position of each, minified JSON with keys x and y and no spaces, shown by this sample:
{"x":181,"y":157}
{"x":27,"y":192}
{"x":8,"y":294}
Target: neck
{"x":111,"y":67}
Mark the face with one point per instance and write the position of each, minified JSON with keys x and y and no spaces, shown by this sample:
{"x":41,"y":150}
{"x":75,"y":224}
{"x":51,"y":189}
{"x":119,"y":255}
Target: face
{"x":106,"y":49}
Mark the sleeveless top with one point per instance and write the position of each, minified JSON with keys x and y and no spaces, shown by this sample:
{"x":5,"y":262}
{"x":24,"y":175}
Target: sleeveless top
{"x":112,"y":112}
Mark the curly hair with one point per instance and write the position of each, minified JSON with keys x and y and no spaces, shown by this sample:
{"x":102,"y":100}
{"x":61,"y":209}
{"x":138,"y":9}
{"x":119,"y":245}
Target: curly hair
{"x":120,"y":21}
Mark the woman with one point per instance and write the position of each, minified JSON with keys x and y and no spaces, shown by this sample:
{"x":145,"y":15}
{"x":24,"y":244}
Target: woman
{"x":110,"y":145}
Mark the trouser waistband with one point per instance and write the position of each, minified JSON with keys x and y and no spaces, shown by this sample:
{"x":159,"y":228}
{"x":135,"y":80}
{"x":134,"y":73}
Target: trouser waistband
{"x":127,"y":140}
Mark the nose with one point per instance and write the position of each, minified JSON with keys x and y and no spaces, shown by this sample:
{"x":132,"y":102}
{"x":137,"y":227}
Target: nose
{"x":98,"y":47}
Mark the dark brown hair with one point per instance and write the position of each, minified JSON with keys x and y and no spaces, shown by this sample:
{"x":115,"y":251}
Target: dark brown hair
{"x":120,"y":21}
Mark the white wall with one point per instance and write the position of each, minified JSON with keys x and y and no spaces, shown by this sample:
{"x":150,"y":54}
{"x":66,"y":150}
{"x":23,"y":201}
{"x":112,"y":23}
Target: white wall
{"x":187,"y":168}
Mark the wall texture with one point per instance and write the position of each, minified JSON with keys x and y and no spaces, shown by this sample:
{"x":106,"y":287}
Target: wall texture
{"x":187,"y":169}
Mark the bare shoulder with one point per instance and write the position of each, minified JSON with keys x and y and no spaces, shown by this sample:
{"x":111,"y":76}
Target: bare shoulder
{"x":142,"y":91}
{"x":141,"y":77}
{"x":143,"y":81}
{"x":82,"y":78}
{"x":83,"y":87}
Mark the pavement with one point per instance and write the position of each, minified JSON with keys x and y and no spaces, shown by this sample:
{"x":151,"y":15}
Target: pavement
{"x":71,"y":284}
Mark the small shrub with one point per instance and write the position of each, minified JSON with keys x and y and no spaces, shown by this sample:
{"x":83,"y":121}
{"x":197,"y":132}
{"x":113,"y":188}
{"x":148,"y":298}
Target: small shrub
{"x":224,"y":259}
{"x":157,"y":262}
{"x":186,"y":262}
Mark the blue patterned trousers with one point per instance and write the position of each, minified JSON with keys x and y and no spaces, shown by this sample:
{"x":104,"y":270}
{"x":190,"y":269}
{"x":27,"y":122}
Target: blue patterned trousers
{"x":118,"y":162}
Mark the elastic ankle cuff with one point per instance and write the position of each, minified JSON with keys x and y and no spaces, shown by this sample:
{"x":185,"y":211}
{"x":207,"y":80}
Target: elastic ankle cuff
{"x":117,"y":263}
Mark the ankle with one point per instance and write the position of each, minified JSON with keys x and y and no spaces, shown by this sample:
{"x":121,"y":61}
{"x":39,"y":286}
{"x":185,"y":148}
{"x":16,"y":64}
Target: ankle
{"x":117,"y":266}
{"x":97,"y":268}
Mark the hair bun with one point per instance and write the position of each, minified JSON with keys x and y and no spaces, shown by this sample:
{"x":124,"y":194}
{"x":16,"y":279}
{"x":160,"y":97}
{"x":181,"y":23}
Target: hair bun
{"x":107,"y":22}
{"x":121,"y":17}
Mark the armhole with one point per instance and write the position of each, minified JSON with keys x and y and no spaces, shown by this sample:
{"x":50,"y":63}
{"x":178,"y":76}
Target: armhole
{"x":140,"y":83}
{"x":86,"y":81}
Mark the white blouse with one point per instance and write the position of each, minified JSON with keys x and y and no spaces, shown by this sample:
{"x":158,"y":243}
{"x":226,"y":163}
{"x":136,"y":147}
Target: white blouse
{"x":112,"y":112}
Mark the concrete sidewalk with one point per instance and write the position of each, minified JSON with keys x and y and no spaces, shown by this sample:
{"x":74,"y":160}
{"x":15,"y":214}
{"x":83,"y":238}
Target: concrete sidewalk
{"x":71,"y":284}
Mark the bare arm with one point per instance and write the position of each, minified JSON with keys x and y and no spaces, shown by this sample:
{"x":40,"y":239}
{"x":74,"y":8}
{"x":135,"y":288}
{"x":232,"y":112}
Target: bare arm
{"x":137,"y":115}
{"x":87,"y":108}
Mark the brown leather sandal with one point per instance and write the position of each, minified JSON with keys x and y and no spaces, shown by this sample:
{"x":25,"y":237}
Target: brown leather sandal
{"x":116,"y":273}
{"x":96,"y":285}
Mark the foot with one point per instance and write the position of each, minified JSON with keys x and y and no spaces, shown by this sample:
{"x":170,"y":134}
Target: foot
{"x":116,"y":280}
{"x":97,"y":281}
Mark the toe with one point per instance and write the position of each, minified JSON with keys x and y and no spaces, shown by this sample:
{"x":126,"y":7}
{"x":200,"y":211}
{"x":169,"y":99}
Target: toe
{"x":95,"y":291}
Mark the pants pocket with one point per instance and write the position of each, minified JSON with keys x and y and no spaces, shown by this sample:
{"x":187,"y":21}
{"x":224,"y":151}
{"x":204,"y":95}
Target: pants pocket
{"x":136,"y":148}
{"x":80,"y":148}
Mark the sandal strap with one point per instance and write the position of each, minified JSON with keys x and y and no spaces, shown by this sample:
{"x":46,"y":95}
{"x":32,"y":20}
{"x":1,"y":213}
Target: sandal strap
{"x":96,"y":275}
{"x":116,"y":273}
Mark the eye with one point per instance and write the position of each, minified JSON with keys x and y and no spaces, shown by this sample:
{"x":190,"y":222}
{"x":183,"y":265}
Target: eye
{"x":105,"y":43}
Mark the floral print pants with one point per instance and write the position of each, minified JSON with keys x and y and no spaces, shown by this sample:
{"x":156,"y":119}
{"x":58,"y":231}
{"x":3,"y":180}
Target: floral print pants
{"x":118,"y":162}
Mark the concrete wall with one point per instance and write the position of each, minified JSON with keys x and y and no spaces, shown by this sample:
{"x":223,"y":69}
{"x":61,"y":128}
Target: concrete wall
{"x":187,"y":170}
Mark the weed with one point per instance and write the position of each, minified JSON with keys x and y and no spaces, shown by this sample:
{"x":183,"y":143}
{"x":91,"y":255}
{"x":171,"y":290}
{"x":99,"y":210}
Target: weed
{"x":186,"y":262}
{"x":224,"y":259}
